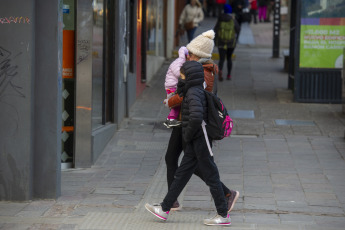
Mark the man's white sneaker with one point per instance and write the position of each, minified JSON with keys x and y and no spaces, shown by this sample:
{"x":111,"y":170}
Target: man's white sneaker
{"x":156,"y":209}
{"x":218,"y":220}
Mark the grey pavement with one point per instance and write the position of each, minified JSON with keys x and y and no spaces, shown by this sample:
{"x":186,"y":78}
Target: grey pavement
{"x":285,"y":158}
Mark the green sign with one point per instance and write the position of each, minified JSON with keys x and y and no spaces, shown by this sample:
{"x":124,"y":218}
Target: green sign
{"x":321,"y":46}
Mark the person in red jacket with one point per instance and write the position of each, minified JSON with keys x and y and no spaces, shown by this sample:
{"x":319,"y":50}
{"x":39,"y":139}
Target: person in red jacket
{"x":254,"y":10}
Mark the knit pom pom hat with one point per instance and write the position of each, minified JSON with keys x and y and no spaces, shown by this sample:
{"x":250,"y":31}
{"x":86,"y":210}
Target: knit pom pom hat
{"x":202,"y":45}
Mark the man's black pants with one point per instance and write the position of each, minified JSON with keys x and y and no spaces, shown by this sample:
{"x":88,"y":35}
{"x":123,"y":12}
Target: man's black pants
{"x":196,"y":154}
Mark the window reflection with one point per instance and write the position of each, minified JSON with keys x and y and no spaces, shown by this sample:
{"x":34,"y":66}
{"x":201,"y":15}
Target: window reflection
{"x":323,"y":8}
{"x":97,"y":62}
{"x":154,"y":28}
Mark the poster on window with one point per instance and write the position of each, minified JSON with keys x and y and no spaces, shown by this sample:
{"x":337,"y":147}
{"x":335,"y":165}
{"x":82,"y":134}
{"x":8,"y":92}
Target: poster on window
{"x":322,"y":37}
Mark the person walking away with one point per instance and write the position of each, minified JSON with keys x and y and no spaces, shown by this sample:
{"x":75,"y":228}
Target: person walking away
{"x":270,"y":6}
{"x":211,"y":8}
{"x":192,"y":14}
{"x":220,"y":5}
{"x":226,"y":30}
{"x":171,"y":79}
{"x":237,"y":6}
{"x":254,"y":10}
{"x":262,"y":10}
{"x":196,"y":153}
{"x":199,"y":49}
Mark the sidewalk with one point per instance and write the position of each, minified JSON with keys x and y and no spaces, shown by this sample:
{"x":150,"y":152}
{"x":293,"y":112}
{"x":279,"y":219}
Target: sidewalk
{"x":285,"y":158}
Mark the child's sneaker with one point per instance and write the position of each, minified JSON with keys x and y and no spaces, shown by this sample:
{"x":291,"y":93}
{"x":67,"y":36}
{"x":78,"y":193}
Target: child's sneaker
{"x":166,"y":123}
{"x":156,"y":209}
{"x":228,"y":77}
{"x":172,"y":123}
{"x":218,"y":220}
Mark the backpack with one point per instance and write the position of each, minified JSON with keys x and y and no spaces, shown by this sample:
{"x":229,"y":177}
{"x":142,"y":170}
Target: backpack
{"x":226,"y":31}
{"x":219,"y":122}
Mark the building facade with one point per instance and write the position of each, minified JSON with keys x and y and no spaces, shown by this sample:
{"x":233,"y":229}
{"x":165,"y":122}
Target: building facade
{"x":70,"y":72}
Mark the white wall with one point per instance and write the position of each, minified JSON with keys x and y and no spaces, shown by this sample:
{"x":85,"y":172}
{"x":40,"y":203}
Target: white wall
{"x":170,"y":28}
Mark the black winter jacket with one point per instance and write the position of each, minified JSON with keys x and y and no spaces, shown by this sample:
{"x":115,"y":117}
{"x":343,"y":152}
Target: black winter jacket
{"x":194,"y":106}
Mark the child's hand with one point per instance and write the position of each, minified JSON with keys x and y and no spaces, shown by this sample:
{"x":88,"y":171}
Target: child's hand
{"x":166,"y":103}
{"x":170,"y":95}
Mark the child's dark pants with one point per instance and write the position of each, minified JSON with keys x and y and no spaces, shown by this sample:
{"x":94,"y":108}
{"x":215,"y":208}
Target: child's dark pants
{"x":196,"y":154}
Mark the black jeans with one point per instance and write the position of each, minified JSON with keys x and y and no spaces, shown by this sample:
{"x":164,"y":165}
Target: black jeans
{"x":225,"y":53}
{"x":174,"y":151}
{"x":254,"y":14}
{"x":196,"y":154}
{"x":190,"y":34}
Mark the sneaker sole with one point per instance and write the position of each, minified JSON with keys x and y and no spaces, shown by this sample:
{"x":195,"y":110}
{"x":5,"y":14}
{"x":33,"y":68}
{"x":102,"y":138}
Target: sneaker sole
{"x":233,"y":203}
{"x":174,"y":125}
{"x":224,"y":224}
{"x":156,"y":215}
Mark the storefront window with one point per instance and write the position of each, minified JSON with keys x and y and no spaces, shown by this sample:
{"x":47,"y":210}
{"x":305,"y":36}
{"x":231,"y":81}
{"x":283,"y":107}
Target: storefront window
{"x":154,"y":27}
{"x":102,"y":62}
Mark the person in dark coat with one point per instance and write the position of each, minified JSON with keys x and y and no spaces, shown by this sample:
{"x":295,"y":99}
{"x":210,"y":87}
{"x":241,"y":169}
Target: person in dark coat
{"x":199,"y":49}
{"x":270,"y":8}
{"x":254,"y":10}
{"x":196,"y":152}
{"x":237,"y":6}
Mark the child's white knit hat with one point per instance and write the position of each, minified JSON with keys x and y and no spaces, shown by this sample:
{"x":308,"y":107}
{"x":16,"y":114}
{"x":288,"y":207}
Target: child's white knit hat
{"x":202,"y":45}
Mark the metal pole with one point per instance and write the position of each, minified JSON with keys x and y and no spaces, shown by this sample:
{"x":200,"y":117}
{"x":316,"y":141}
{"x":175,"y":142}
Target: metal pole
{"x":276,"y":28}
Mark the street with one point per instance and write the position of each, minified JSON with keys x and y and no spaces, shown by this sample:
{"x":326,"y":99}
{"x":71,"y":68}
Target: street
{"x":286,"y":159}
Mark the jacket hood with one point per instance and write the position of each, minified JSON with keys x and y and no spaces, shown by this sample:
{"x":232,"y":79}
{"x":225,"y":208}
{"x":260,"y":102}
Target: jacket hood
{"x":194,"y":73}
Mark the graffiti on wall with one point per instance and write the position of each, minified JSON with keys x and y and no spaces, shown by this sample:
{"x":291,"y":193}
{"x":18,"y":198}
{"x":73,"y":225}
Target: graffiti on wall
{"x":84,"y":49}
{"x":9,"y":88}
{"x":15,"y":20}
{"x":8,"y":71}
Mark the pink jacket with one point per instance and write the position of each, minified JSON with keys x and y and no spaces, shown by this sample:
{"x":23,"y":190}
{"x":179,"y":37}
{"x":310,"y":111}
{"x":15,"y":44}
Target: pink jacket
{"x":173,"y":73}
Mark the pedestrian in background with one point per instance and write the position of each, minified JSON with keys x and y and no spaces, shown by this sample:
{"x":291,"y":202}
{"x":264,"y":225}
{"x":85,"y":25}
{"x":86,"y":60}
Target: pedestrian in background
{"x":262,"y":9}
{"x":270,"y":6}
{"x":196,"y":152}
{"x":220,"y":5}
{"x":199,"y":49}
{"x":211,"y":8}
{"x":192,"y":14}
{"x":238,"y":6}
{"x":226,"y":30}
{"x":254,"y":10}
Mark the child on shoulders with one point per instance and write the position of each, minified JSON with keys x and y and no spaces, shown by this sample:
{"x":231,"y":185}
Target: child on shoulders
{"x":170,"y":85}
